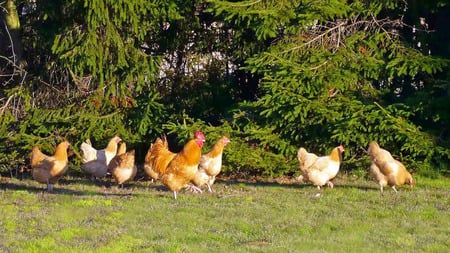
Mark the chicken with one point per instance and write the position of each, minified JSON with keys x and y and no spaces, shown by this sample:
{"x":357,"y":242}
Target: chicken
{"x":325,"y":168}
{"x":157,"y":158}
{"x":305,"y":159}
{"x":48,"y":169}
{"x":95,"y":162}
{"x":122,"y":166}
{"x":183,"y":167}
{"x":386,"y":170}
{"x":210,"y":164}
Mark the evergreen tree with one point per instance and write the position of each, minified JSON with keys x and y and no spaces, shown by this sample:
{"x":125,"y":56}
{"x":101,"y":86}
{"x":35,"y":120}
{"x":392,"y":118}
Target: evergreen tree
{"x":335,"y":72}
{"x":272,"y":75}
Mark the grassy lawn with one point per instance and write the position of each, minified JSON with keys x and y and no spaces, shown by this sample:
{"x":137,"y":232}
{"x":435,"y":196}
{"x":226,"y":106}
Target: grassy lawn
{"x":81,"y":216}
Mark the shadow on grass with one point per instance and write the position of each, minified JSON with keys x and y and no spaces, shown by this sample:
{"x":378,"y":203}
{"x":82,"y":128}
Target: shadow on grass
{"x":79,"y":187}
{"x":84,"y":186}
{"x":262,"y":183}
{"x":338,"y":183}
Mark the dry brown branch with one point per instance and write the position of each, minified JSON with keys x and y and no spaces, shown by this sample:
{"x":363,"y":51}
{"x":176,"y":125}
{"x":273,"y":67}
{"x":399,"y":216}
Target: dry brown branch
{"x":334,"y":34}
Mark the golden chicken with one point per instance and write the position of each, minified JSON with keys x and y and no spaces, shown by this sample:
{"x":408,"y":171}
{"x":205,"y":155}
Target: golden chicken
{"x":386,"y":170}
{"x":325,"y":168}
{"x":305,"y":159}
{"x":157,"y":158}
{"x":183,"y":167}
{"x":95,"y":162}
{"x":48,"y":169}
{"x":210,"y":165}
{"x":122,"y":166}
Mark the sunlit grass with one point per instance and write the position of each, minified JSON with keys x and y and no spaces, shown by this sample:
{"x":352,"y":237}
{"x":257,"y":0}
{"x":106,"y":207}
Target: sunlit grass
{"x":81,"y":216}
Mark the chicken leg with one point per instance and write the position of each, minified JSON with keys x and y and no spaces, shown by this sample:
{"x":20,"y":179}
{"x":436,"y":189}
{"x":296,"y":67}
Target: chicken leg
{"x":195,"y":189}
{"x":393,"y":188}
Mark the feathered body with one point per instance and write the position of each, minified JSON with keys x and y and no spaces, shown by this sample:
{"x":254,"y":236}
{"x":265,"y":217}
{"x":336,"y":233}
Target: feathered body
{"x":386,"y":170}
{"x":183,"y":167}
{"x":305,"y":159}
{"x":95,"y":162}
{"x":325,"y":168}
{"x":48,"y":169}
{"x":210,"y":164}
{"x":122,"y":166}
{"x":157,"y":158}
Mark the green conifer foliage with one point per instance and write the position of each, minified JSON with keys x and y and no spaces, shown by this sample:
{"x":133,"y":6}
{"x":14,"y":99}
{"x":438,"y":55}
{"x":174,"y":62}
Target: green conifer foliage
{"x":331,"y":74}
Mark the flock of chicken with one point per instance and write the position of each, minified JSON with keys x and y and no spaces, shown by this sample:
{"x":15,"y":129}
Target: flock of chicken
{"x":385,"y":170}
{"x":189,"y":168}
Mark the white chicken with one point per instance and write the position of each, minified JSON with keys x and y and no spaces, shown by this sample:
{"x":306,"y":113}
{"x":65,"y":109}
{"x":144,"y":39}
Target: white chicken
{"x":325,"y":168}
{"x":386,"y":170}
{"x":210,"y":165}
{"x":95,"y":162}
{"x":305,"y":159}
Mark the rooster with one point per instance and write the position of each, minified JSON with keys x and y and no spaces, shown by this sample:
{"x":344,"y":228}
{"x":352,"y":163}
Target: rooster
{"x":95,"y":162}
{"x":325,"y":168}
{"x":386,"y":170}
{"x":157,"y":158}
{"x":183,"y":167}
{"x":48,"y":169}
{"x":122,"y":166}
{"x":210,"y":164}
{"x":305,"y":159}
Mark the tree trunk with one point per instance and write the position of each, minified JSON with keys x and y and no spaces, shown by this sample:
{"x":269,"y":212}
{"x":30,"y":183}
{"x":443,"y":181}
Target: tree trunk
{"x":11,"y":24}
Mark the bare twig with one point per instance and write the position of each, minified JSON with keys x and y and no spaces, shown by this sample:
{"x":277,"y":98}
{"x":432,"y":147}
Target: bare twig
{"x":376,"y":22}
{"x":318,"y":66}
{"x":320,"y":36}
{"x":13,"y":61}
{"x":3,"y":108}
{"x":12,"y":43}
{"x":51,"y":86}
{"x":341,"y":29}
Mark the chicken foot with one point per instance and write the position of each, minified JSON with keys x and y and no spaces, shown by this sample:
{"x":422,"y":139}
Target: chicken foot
{"x":330,"y":184}
{"x":195,"y":189}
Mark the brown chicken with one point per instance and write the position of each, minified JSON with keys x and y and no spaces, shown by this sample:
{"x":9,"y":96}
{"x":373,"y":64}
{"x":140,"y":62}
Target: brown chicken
{"x":122,"y":166}
{"x":157,"y":158}
{"x":210,"y":165}
{"x":183,"y":167}
{"x":305,"y":159}
{"x":95,"y":162}
{"x":325,"y":168}
{"x":48,"y":169}
{"x":386,"y":170}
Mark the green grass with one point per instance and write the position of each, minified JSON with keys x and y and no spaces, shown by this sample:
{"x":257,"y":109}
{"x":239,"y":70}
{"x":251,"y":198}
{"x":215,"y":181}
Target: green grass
{"x":239,"y":217}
